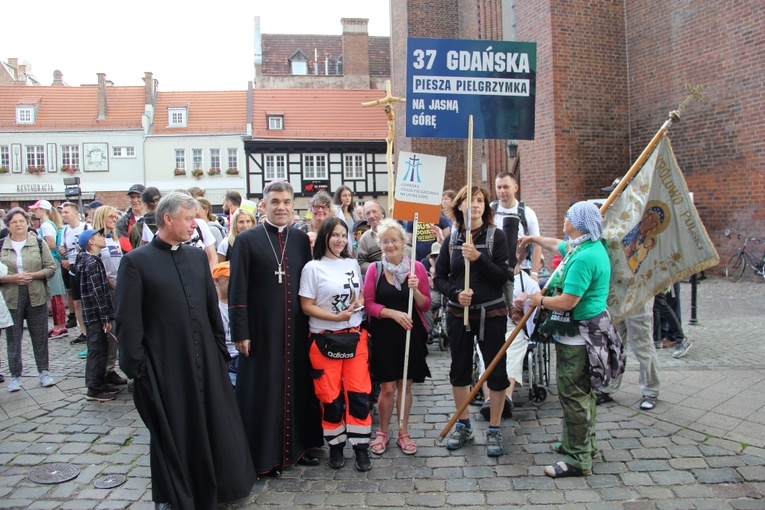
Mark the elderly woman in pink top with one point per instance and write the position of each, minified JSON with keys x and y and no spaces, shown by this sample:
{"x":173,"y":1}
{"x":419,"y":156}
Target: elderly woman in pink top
{"x":386,"y":301}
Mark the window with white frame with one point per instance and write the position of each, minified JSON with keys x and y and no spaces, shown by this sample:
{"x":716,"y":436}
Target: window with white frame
{"x":354,"y":166}
{"x":176,"y":117}
{"x":275,"y":166}
{"x":215,"y":159}
{"x":233,"y":158}
{"x":276,"y":122}
{"x":315,"y":166}
{"x":25,"y":115}
{"x":123,"y":152}
{"x":196,"y":155}
{"x":70,"y":155}
{"x":299,"y":67}
{"x":180,"y":159}
{"x":5,"y":157}
{"x":36,"y":156}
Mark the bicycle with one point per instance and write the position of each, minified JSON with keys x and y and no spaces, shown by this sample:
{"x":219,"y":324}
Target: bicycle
{"x":736,"y":265}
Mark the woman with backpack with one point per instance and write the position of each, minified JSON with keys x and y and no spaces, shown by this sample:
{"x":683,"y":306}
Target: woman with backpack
{"x":205,"y":213}
{"x":240,"y":221}
{"x":487,"y":253}
{"x":50,"y":231}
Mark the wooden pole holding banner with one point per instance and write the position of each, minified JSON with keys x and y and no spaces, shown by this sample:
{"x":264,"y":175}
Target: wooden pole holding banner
{"x":674,"y":116}
{"x":467,"y":217}
{"x":410,"y":311}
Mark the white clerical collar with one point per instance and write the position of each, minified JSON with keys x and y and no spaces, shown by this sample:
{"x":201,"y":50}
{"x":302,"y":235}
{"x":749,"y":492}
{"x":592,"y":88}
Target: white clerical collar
{"x":280,"y":229}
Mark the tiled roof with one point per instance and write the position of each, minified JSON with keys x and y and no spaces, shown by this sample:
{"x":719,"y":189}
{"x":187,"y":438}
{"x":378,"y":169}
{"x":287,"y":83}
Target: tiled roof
{"x":72,"y":108}
{"x":319,"y":114}
{"x":209,"y":112}
{"x":278,"y":48}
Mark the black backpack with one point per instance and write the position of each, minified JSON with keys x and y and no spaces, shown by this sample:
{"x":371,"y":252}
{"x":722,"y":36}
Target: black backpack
{"x":524,"y":223}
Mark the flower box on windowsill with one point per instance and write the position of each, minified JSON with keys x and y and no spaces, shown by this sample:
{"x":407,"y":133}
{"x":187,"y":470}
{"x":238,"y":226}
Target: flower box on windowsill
{"x":213,"y":171}
{"x":197,"y":172}
{"x":3,"y":169}
{"x":179,"y":171}
{"x":36,"y":170}
{"x":232,"y":171}
{"x":70,"y":169}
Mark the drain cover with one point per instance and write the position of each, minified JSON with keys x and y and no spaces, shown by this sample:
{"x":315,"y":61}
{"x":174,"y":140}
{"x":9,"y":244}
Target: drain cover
{"x":56,"y":472}
{"x":109,"y":482}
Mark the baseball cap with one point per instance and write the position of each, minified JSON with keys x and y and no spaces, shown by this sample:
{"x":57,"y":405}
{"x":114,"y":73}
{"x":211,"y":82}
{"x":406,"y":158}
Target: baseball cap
{"x":136,"y":188}
{"x":221,"y":269}
{"x":83,"y":238}
{"x":613,"y":185}
{"x":151,"y":195}
{"x":95,"y":204}
{"x":41,"y":204}
{"x":435,"y":248}
{"x":359,"y":224}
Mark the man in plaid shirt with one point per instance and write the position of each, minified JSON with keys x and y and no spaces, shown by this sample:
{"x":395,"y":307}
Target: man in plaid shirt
{"x":97,"y":313}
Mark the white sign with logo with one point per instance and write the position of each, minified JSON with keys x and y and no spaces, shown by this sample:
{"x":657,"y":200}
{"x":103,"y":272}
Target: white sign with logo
{"x":420,"y":178}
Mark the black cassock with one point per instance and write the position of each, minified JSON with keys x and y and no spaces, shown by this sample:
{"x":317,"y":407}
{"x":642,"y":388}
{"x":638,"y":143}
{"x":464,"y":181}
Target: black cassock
{"x":171,"y":335}
{"x":273,"y":385}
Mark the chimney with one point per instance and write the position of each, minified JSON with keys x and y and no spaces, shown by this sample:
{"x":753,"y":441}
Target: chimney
{"x":14,"y":63}
{"x":355,"y":53}
{"x":101,"y":95}
{"x":58,"y":79}
{"x":258,"y":53}
{"x":148,"y":88}
{"x":21,"y":73}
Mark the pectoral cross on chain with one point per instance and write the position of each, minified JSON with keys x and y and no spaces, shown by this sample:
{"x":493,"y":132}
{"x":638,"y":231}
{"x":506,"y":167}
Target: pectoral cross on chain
{"x":279,"y":273}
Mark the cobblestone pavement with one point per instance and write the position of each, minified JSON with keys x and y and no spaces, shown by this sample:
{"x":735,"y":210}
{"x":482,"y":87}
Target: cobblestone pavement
{"x":702,"y":447}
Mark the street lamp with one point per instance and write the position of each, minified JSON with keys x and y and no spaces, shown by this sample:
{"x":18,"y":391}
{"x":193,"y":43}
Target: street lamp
{"x":511,"y":149}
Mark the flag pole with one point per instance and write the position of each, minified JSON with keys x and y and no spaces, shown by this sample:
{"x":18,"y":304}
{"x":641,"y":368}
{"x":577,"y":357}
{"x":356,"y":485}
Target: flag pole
{"x":401,"y":410}
{"x":468,"y":219}
{"x":674,"y":116}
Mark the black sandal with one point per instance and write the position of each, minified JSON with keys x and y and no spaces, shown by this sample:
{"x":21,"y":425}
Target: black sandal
{"x":562,"y":470}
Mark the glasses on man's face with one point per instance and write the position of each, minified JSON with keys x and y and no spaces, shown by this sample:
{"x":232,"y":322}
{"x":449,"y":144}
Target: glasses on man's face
{"x":321,"y":208}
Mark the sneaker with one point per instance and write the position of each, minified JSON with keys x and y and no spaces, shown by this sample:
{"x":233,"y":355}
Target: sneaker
{"x":602,"y":398}
{"x":494,"y":443}
{"x":507,"y":411}
{"x":14,"y":385}
{"x":115,"y":378}
{"x":82,"y":354}
{"x":46,"y":380}
{"x":460,"y":436}
{"x":71,"y":322}
{"x":362,"y":459}
{"x":682,"y":349}
{"x":666,"y":343}
{"x":486,"y":410}
{"x":102,"y":396}
{"x":336,"y":459}
{"x":79,"y":340}
{"x":58,"y":333}
{"x":648,"y":403}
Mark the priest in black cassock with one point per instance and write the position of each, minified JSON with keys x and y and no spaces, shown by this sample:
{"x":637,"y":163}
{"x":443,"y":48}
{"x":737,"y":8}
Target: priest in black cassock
{"x":172,"y":343}
{"x":273,"y":383}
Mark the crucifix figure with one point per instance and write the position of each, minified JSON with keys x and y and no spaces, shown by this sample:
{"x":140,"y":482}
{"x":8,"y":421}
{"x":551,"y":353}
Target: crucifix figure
{"x":388,"y":102}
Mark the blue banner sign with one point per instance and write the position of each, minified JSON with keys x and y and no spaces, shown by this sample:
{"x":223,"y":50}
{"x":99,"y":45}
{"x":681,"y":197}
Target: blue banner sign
{"x":451,"y":79}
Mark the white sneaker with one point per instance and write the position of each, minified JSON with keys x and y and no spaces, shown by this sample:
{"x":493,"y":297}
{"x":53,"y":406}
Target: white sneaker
{"x":45,"y":379}
{"x":14,"y":385}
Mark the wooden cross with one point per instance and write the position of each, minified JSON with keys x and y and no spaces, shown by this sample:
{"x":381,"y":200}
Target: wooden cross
{"x":388,"y":102}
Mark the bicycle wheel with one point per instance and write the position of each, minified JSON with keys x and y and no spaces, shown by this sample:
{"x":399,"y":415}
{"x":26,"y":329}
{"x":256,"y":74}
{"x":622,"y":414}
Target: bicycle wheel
{"x":735,"y":267}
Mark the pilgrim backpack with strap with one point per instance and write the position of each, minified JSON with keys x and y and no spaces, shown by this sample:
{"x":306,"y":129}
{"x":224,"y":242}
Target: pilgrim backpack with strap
{"x":507,"y":289}
{"x":524,"y":223}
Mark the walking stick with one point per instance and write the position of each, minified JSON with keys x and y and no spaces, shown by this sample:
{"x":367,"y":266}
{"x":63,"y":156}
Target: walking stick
{"x":401,"y":411}
{"x":468,"y":219}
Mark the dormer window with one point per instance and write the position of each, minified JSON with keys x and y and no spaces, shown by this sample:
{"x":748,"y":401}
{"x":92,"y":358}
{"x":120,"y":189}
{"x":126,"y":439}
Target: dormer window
{"x":25,"y":115}
{"x":176,"y":117}
{"x":299,"y":63}
{"x":276,"y":122}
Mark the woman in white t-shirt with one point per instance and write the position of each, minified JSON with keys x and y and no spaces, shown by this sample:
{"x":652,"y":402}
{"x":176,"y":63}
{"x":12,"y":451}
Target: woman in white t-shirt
{"x":50,"y":224}
{"x":240,"y":221}
{"x":331,"y":296}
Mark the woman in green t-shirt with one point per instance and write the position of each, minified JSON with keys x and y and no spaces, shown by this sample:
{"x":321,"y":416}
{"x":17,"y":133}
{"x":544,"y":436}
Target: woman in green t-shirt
{"x":581,"y":327}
